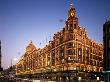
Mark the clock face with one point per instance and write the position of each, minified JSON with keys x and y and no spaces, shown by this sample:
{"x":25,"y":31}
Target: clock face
{"x":72,"y":13}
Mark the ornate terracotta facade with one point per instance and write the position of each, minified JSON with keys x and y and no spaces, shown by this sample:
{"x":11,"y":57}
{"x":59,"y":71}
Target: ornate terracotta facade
{"x":70,"y":49}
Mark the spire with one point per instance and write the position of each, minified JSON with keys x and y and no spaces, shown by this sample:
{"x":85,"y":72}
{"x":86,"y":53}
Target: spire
{"x":71,"y":5}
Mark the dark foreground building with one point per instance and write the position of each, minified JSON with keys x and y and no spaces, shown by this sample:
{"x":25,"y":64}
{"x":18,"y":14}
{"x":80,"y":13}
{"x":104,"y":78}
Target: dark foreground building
{"x":1,"y":69}
{"x":106,"y":42}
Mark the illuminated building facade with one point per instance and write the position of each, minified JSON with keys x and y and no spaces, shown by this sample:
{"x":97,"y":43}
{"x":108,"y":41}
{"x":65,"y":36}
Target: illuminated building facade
{"x":71,"y":49}
{"x":106,"y":42}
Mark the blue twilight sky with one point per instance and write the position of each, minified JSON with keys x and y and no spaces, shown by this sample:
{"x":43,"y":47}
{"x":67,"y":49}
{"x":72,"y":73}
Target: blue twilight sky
{"x":36,"y":20}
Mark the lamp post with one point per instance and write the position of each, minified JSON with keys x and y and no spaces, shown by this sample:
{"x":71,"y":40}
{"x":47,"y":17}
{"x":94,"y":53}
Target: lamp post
{"x":62,"y":71}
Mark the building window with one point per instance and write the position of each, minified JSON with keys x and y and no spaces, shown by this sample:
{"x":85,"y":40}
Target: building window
{"x":91,"y":62}
{"x":63,"y":60}
{"x":69,"y":45}
{"x":109,"y":30}
{"x":74,"y":52}
{"x":61,"y":53}
{"x":69,"y":36}
{"x":53,"y":44}
{"x":70,"y":59}
{"x":71,"y":27}
{"x":109,"y":55}
{"x":78,"y":45}
{"x":86,"y":48}
{"x":77,"y":68}
{"x":73,"y":44}
{"x":57,"y":53}
{"x":48,"y":58}
{"x":48,"y":63}
{"x":53,"y":57}
{"x":61,"y":40}
{"x":74,"y":37}
{"x":79,"y":51}
{"x":109,"y":66}
{"x":69,"y":52}
{"x":109,"y":43}
{"x":75,"y":26}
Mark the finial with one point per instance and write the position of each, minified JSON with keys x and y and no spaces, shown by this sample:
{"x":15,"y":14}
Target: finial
{"x":71,"y":5}
{"x":106,"y":20}
{"x":50,"y":37}
{"x":31,"y":41}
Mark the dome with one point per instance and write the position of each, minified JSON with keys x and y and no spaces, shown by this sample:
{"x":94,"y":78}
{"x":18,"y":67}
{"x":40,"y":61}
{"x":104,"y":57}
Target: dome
{"x":30,"y":47}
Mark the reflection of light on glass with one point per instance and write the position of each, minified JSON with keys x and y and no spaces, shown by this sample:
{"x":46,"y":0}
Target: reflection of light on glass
{"x":97,"y":78}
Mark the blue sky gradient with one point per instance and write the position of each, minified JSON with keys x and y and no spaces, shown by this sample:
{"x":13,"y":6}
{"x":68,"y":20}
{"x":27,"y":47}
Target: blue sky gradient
{"x":37,"y":20}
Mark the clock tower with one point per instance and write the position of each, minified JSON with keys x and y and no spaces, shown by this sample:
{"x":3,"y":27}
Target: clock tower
{"x":72,"y":20}
{"x":71,"y":11}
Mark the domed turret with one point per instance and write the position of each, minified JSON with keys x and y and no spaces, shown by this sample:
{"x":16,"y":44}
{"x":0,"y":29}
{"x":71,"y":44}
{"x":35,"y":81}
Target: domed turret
{"x":30,"y":47}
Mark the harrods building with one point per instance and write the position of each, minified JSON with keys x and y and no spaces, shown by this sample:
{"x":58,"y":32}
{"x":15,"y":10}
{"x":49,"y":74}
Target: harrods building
{"x":70,"y":49}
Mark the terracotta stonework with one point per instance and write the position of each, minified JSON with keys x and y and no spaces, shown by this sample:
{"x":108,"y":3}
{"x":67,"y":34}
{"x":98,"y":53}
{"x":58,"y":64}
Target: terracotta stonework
{"x":70,"y":49}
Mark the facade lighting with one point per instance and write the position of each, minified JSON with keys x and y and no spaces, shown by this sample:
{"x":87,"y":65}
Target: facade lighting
{"x":71,"y":48}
